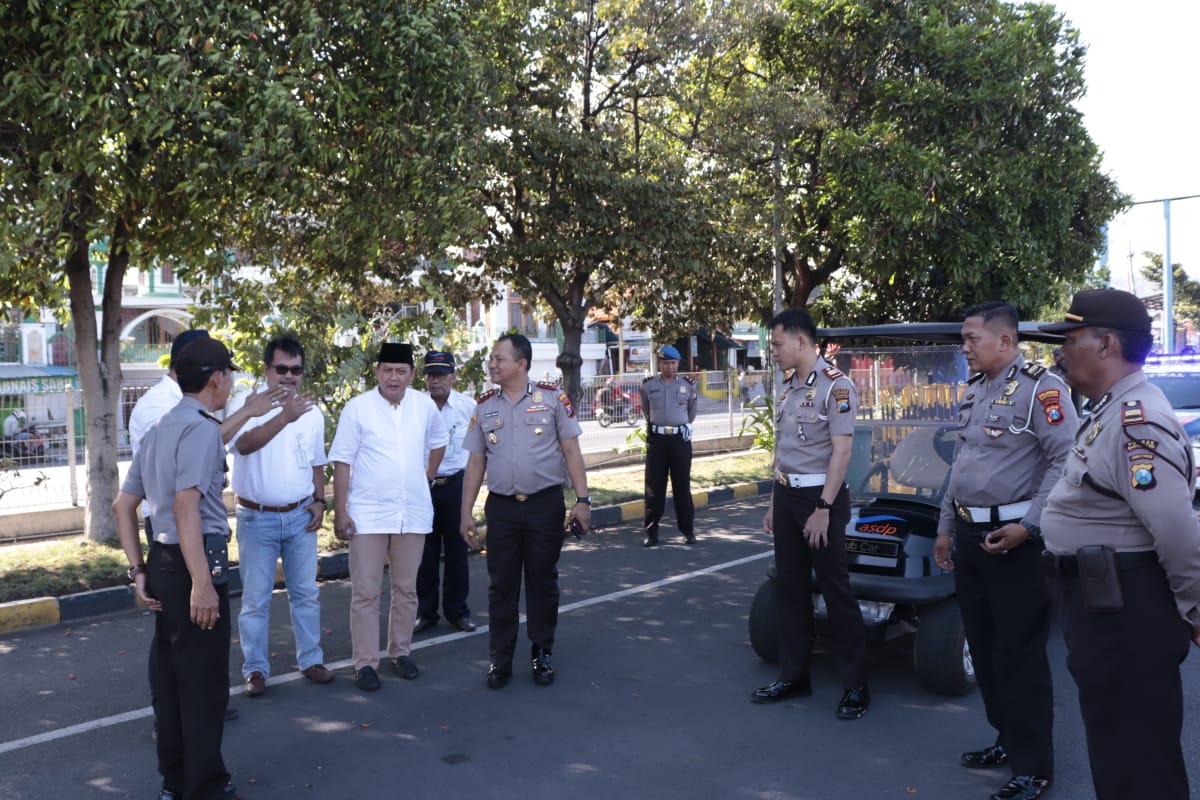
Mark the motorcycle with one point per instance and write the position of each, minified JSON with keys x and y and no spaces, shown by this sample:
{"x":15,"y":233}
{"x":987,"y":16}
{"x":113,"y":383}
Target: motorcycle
{"x":612,"y":403}
{"x":33,"y":447}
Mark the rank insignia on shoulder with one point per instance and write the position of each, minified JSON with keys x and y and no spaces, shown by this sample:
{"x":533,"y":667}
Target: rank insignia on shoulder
{"x":1141,"y":444}
{"x":976,"y":378}
{"x":842,"y":398}
{"x":833,"y":373}
{"x":552,"y":385}
{"x":1051,"y":401}
{"x":489,"y":393}
{"x":1143,"y":476}
{"x":1033,"y":370}
{"x":689,"y":378}
{"x":566,"y":401}
{"x":1132,"y":413}
{"x":648,"y":378}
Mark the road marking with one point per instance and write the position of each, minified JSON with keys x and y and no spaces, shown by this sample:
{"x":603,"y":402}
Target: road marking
{"x":142,"y":713}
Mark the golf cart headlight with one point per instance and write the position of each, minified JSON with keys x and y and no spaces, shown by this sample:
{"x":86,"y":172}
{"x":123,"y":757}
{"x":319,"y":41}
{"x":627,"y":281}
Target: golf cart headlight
{"x":874,"y":613}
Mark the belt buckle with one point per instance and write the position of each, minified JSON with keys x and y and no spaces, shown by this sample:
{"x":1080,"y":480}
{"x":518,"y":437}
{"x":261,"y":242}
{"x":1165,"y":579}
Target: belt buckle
{"x":964,"y":514}
{"x":521,"y":498}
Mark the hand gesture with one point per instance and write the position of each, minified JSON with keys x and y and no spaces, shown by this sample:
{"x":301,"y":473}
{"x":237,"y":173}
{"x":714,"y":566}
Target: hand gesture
{"x":942,"y":547}
{"x":139,"y":583}
{"x":816,"y":528}
{"x":1005,"y":538}
{"x":297,"y":406}
{"x":259,"y":403}
{"x":581,"y":513}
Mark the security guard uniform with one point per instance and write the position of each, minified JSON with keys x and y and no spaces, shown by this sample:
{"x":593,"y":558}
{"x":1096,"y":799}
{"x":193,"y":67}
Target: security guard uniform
{"x":185,"y":450}
{"x":1014,"y":434}
{"x":1127,"y":484}
{"x":524,"y":509}
{"x":812,"y":409}
{"x":670,"y":408}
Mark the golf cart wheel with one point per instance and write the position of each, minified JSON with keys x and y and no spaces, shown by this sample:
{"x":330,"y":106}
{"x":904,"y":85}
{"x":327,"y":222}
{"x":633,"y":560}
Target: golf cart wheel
{"x":764,"y":622}
{"x":631,"y":419}
{"x":604,"y":419}
{"x":943,"y":661}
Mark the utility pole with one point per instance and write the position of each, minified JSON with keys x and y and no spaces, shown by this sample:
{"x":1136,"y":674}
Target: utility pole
{"x":1168,"y":278}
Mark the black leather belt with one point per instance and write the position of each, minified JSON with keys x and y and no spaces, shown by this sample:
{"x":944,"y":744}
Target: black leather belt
{"x":253,"y":506}
{"x":1068,"y":566}
{"x":442,"y":480}
{"x":521,"y":498}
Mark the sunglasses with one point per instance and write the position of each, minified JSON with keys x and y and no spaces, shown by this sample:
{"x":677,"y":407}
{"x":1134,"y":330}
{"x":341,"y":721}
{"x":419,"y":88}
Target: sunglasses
{"x":282,"y":370}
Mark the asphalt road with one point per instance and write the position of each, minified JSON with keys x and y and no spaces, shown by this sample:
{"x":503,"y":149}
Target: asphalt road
{"x":654,"y":669}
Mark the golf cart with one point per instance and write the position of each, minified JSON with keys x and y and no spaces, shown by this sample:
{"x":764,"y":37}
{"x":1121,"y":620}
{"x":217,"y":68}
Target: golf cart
{"x":909,"y":378}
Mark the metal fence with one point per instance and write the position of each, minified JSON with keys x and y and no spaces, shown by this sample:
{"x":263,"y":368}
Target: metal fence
{"x":46,"y":469}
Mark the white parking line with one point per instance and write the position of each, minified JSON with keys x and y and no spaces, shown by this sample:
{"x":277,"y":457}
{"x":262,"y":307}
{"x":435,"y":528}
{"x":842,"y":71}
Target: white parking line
{"x":141,"y":713}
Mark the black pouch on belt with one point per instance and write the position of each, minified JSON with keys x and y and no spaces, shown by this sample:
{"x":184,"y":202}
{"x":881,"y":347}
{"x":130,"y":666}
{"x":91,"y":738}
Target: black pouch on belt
{"x":216,"y":550}
{"x":1099,"y":579}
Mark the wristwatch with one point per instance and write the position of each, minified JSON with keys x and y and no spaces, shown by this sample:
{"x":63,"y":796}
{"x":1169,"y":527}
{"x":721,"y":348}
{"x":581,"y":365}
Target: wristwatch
{"x":586,"y":499}
{"x":134,"y":571}
{"x":1034,"y":531}
{"x":822,"y":504}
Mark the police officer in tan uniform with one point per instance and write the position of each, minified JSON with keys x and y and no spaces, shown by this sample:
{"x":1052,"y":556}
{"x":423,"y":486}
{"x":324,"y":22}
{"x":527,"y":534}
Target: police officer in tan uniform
{"x":1015,"y":425}
{"x":810,"y":508}
{"x":1124,"y":546}
{"x":525,"y":436}
{"x":669,"y":402}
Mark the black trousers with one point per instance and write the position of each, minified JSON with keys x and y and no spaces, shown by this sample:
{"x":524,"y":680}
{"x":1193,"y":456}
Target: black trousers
{"x":523,"y":539}
{"x":447,"y":511}
{"x":795,"y":562}
{"x":1126,"y":665}
{"x":193,"y":682}
{"x":151,"y":668}
{"x":1005,"y":606}
{"x":669,"y":455}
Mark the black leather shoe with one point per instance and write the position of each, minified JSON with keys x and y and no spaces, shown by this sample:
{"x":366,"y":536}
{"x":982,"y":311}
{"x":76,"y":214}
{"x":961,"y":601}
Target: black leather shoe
{"x":1022,"y":787}
{"x":228,"y":793}
{"x":405,"y":667}
{"x":424,"y":624}
{"x":651,"y":540}
{"x":986,"y":758}
{"x":543,"y":668}
{"x":367,"y":679}
{"x":780,"y":690}
{"x":689,"y":538}
{"x":497,"y":677}
{"x":464,"y":624}
{"x":854,"y":703}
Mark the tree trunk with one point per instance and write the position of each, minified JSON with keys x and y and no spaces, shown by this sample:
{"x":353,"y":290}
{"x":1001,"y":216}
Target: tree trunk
{"x":569,"y":359}
{"x":99,"y":374}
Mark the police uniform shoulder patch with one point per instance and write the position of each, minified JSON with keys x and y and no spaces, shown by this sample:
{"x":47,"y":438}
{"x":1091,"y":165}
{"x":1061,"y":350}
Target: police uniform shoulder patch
{"x":479,"y":398}
{"x":833,"y":373}
{"x":689,"y":379}
{"x":566,"y":401}
{"x":547,"y":384}
{"x":1034,"y":370}
{"x":976,"y":378}
{"x":1132,"y":413}
{"x":647,"y":379}
{"x":1142,"y":476}
{"x":1051,"y":400}
{"x":841,"y":398}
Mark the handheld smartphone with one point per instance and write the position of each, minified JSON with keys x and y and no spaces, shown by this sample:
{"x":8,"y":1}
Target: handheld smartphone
{"x":576,"y":528}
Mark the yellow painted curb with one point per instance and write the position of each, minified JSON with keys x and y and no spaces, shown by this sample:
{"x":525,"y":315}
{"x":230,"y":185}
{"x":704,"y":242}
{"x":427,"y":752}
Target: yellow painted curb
{"x":700,"y":499}
{"x":743,"y":490}
{"x":28,"y":613}
{"x":634,"y":509}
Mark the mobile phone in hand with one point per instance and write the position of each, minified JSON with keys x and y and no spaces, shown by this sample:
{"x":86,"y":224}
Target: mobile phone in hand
{"x":576,"y":528}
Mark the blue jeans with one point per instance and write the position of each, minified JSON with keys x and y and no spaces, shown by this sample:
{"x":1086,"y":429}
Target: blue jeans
{"x":263,"y":538}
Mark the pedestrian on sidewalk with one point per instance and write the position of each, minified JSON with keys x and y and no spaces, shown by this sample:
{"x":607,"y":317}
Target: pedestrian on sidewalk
{"x":526,"y":438}
{"x":279,"y":480}
{"x":455,"y":409}
{"x":387,"y":450}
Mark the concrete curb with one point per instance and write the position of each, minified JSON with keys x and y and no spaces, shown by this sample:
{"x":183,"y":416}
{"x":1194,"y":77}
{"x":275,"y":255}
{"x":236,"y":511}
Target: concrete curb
{"x":23,"y":614}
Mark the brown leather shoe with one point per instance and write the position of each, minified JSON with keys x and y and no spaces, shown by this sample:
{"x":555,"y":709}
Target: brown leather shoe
{"x":256,"y":685}
{"x":318,"y":673}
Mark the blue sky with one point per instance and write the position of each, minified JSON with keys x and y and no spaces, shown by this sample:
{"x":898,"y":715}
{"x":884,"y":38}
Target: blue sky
{"x":1141,"y":109}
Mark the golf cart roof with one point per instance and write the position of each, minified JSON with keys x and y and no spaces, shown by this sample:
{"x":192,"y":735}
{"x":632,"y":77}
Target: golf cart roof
{"x":942,"y":332}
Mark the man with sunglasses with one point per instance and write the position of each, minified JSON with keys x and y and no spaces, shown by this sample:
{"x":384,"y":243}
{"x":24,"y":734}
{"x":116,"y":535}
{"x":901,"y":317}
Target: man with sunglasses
{"x":279,"y":480}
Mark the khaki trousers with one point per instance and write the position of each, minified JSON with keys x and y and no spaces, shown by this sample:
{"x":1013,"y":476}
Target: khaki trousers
{"x":367,"y":552}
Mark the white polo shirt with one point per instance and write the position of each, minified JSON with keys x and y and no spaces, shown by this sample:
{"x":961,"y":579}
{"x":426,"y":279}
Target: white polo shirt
{"x":387,"y":447}
{"x":280,"y":472}
{"x":456,"y":416}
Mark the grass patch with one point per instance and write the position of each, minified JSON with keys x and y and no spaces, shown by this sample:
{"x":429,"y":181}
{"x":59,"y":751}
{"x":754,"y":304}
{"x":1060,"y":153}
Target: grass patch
{"x":76,"y":564}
